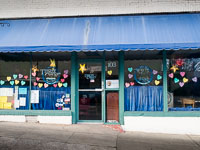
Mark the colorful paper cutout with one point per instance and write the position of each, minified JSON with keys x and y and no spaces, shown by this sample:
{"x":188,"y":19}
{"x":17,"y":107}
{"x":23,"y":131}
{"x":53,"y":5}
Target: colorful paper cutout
{"x":155,"y":72}
{"x":194,"y":79}
{"x":35,"y":69}
{"x":26,"y":77}
{"x":20,"y":76}
{"x":65,"y":84}
{"x":33,"y":74}
{"x":176,"y":80}
{"x":109,"y":72}
{"x":130,"y":69}
{"x":37,"y":78}
{"x":130,"y":76}
{"x":132,"y":83}
{"x":22,"y":90}
{"x":60,"y":84}
{"x":8,"y":78}
{"x":46,"y":85}
{"x":35,"y":83}
{"x":55,"y":85}
{"x":53,"y":63}
{"x":127,"y":84}
{"x":16,"y":82}
{"x":179,"y":62}
{"x":181,"y":84}
{"x":174,"y":68}
{"x":2,"y":82}
{"x":171,"y":75}
{"x":159,"y":77}
{"x":15,"y":76}
{"x":65,"y":76}
{"x":23,"y":83}
{"x":157,"y":82}
{"x":12,"y":82}
{"x":185,"y":80}
{"x":40,"y":85}
{"x":66,"y":71}
{"x":82,"y":68}
{"x":62,"y":80}
{"x":182,"y":74}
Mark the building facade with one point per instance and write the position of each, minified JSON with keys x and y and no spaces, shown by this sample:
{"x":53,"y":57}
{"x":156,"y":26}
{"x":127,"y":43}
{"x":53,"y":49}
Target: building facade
{"x":130,"y":68}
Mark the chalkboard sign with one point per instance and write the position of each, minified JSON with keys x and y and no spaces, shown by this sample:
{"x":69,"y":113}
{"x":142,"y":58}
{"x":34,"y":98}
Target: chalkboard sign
{"x":143,"y":75}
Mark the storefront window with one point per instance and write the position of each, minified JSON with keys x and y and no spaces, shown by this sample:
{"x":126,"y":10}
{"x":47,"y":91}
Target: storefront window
{"x":14,"y":81}
{"x":50,"y":88}
{"x":183,"y":82}
{"x":143,"y":82}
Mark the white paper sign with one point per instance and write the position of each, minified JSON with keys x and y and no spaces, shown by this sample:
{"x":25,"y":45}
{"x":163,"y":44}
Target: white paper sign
{"x":6,"y":91}
{"x":34,"y":96}
{"x":22,"y":101}
{"x":16,"y":105}
{"x":112,"y":83}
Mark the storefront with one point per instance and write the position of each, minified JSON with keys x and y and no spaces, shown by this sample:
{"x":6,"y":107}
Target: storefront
{"x":127,"y":70}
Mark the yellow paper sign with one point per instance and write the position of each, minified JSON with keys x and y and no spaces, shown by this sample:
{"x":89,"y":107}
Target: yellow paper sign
{"x":1,"y":105}
{"x":3,"y":99}
{"x":7,"y":105}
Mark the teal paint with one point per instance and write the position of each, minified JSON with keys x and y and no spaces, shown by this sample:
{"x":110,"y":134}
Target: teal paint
{"x":74,"y":91}
{"x":163,"y":114}
{"x":121,"y":87}
{"x":165,"y":91}
{"x":30,"y":81}
{"x":112,"y":89}
{"x":103,"y":87}
{"x":36,"y":112}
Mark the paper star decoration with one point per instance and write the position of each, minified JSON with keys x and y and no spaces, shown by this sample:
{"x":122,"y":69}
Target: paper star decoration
{"x":82,"y":68}
{"x":174,"y":68}
{"x":53,"y":64}
{"x":34,"y":69}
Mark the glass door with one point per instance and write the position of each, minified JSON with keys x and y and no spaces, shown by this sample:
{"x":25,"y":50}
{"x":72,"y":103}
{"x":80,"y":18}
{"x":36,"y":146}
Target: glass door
{"x":90,"y":91}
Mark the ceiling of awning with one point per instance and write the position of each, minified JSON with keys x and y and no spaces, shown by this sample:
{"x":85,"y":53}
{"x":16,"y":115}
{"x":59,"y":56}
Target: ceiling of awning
{"x":142,"y":32}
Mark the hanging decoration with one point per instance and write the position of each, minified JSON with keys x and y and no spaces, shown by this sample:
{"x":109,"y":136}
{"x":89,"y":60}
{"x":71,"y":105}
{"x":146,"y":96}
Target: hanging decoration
{"x":37,"y":78}
{"x":159,"y":77}
{"x":33,"y":74}
{"x":55,"y":85}
{"x":14,"y":76}
{"x":157,"y":82}
{"x":34,"y":68}
{"x":23,"y":83}
{"x":45,"y":85}
{"x":171,"y":75}
{"x":65,"y":84}
{"x":26,"y":77}
{"x":155,"y":72}
{"x":179,"y":62}
{"x":62,"y":80}
{"x":12,"y":82}
{"x":8,"y":78}
{"x":109,"y":72}
{"x":194,"y":79}
{"x":2,"y":82}
{"x":66,"y":71}
{"x":16,"y":82}
{"x":65,"y":76}
{"x":181,"y":84}
{"x":182,"y":74}
{"x":130,"y":69}
{"x":176,"y":80}
{"x":132,"y":83}
{"x":174,"y":68}
{"x":40,"y":85}
{"x":60,"y":84}
{"x":20,"y":76}
{"x":82,"y":68}
{"x":52,"y":63}
{"x":127,"y":84}
{"x":130,"y":76}
{"x":185,"y":80}
{"x":35,"y":83}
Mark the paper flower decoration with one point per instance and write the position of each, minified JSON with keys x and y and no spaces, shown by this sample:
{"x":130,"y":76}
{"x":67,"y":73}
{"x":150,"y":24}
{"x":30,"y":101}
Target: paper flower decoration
{"x":82,"y":68}
{"x":179,"y":62}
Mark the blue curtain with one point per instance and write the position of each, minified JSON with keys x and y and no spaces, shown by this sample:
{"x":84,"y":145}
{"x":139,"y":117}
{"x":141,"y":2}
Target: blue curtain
{"x":48,"y":97}
{"x":144,"y":98}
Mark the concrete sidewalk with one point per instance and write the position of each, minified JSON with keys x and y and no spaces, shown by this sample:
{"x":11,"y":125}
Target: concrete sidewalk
{"x":33,"y":136}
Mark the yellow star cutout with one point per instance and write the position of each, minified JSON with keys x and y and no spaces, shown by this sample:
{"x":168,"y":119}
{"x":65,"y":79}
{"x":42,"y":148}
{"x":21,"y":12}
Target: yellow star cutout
{"x":174,"y":68}
{"x":82,"y":68}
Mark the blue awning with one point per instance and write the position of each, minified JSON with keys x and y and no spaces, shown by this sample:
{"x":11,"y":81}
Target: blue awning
{"x":143,"y":32}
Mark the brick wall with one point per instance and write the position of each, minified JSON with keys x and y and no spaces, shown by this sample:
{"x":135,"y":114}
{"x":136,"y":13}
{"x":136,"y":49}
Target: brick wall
{"x":46,"y":8}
